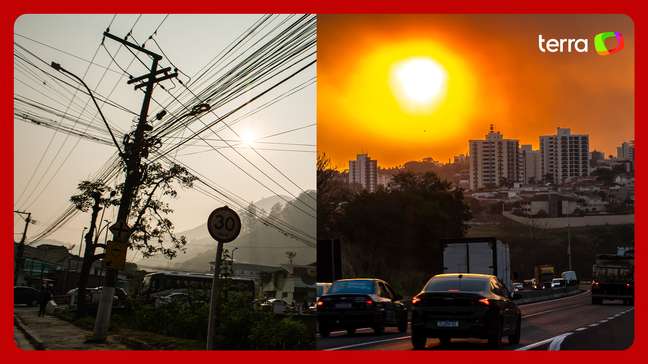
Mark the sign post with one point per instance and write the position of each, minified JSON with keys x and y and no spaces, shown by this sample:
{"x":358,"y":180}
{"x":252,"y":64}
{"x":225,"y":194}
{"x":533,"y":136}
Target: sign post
{"x":224,"y":225}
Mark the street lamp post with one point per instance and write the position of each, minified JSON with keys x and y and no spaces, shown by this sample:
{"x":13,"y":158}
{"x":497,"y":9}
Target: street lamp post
{"x":58,"y":67}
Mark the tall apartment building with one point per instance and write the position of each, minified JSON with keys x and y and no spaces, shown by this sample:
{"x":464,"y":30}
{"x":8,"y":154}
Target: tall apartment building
{"x":364,"y":171}
{"x":595,"y":157}
{"x":564,"y":155}
{"x":625,"y":152}
{"x":530,"y":164}
{"x":493,"y":161}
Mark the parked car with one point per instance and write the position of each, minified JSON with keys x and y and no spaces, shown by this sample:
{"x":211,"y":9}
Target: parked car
{"x":465,"y":305}
{"x":176,"y":298}
{"x":93,"y":295}
{"x":557,"y":283}
{"x":24,"y":295}
{"x":351,"y":304}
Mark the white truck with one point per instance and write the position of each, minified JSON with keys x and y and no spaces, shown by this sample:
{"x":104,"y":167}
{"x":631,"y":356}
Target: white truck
{"x":478,"y":255}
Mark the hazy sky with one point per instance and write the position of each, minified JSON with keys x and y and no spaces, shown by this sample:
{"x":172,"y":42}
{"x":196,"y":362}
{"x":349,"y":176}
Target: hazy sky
{"x":190,"y":42}
{"x":493,"y":73}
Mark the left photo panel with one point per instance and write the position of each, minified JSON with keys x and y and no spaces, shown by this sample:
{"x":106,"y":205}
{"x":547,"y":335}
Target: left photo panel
{"x":165,"y":182}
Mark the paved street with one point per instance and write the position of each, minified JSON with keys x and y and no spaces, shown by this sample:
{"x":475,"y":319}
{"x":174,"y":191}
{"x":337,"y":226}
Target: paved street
{"x":541,"y":322}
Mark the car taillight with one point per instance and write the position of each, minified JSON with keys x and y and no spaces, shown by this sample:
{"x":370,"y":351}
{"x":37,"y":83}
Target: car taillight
{"x":320,"y":303}
{"x":484,"y":301}
{"x":416,"y":300}
{"x":369,"y":302}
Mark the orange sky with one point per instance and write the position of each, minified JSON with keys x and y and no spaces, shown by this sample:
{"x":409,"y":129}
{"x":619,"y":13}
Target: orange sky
{"x":495,"y":74}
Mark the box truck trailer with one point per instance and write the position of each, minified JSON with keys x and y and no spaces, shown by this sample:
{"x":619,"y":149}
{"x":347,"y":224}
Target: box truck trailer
{"x":478,"y":255}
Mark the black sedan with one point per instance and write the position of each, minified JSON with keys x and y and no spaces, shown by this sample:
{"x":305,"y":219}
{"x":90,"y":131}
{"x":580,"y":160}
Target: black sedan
{"x":465,"y":306}
{"x":26,"y":296}
{"x":356,"y":303}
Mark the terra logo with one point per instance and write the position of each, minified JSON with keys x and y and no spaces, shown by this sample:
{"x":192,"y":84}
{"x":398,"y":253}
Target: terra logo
{"x":581,"y":45}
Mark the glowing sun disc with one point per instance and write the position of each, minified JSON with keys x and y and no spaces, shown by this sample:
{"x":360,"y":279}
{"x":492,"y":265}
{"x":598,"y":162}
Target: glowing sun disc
{"x":418,"y":82}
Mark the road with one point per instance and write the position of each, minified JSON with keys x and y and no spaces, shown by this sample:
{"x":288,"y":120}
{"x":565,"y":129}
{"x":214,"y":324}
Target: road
{"x":543,"y":323}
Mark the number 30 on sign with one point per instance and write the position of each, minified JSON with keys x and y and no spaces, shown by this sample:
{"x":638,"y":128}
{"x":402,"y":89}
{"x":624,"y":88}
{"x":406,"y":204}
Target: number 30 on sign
{"x":224,"y":224}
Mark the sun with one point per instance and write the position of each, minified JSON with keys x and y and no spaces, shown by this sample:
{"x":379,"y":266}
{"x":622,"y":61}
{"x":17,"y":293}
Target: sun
{"x":247,"y":137}
{"x":419,"y":83}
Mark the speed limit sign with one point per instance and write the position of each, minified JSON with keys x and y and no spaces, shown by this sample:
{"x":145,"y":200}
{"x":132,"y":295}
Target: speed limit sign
{"x":224,"y":224}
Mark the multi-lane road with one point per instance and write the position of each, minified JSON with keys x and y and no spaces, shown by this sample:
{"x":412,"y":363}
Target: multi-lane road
{"x":560,"y":324}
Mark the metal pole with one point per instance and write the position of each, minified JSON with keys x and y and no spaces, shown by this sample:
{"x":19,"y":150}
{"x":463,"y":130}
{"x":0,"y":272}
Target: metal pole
{"x":81,"y":241}
{"x":569,"y":252}
{"x":214,"y":301}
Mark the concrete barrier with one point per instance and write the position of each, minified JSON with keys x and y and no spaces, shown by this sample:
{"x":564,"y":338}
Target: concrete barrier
{"x":546,"y":297}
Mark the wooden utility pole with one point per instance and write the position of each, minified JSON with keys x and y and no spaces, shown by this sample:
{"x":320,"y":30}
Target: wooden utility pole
{"x":136,"y":146}
{"x":19,"y":263}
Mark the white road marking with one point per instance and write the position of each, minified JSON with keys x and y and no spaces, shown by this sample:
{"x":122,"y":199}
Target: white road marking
{"x":368,"y":343}
{"x":556,"y":342}
{"x":535,"y":345}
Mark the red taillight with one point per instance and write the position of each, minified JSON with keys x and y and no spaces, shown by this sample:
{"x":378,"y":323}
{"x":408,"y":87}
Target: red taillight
{"x":416,"y":300}
{"x":484,"y":301}
{"x":369,"y":302}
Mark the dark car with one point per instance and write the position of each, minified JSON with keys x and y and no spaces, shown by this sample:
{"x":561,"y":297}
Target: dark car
{"x":356,"y":303}
{"x":26,"y":296}
{"x":464,"y":306}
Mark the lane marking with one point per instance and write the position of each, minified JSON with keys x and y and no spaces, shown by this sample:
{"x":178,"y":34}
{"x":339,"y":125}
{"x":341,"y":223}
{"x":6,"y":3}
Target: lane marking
{"x":555,"y":343}
{"x":536,"y":344}
{"x":368,"y":343}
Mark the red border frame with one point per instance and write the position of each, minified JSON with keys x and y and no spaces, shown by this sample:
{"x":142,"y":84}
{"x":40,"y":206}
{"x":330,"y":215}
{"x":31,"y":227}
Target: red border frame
{"x":18,"y":7}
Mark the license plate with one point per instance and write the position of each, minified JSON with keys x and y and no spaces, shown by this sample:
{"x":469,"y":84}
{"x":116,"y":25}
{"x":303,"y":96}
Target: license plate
{"x":342,"y":305}
{"x":447,"y":323}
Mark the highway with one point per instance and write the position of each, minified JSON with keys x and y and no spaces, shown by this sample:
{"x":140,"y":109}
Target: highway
{"x":571,"y":321}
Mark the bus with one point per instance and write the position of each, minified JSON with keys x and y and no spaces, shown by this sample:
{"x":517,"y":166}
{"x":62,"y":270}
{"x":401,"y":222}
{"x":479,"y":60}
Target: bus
{"x":160,"y":284}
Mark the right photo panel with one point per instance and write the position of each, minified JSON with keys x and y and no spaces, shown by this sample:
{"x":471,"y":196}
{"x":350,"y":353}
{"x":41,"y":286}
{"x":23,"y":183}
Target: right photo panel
{"x":475,"y":182}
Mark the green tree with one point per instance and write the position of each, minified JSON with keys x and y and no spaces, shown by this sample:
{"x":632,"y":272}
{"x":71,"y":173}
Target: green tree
{"x":152,"y":230}
{"x":397,"y":231}
{"x":94,"y":196}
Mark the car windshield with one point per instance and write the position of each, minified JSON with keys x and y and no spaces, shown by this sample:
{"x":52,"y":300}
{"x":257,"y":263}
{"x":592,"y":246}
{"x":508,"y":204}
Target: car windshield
{"x":355,"y":286}
{"x":456,"y":284}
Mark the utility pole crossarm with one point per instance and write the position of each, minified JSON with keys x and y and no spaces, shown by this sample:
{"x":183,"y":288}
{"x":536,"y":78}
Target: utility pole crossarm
{"x":132,"y":45}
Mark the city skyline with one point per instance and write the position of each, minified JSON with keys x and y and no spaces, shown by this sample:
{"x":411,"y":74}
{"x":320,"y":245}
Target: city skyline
{"x":451,"y":159}
{"x":473,"y":70}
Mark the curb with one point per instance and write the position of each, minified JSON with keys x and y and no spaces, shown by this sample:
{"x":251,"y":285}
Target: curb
{"x":524,"y":301}
{"x":31,"y":336}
